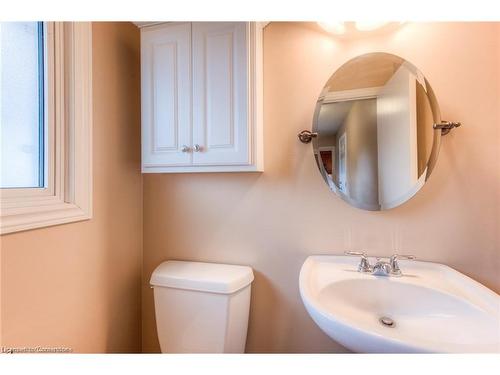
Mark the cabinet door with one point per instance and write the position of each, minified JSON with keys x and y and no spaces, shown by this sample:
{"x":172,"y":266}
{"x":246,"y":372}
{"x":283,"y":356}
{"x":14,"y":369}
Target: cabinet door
{"x":220,"y":98}
{"x":166,"y":95}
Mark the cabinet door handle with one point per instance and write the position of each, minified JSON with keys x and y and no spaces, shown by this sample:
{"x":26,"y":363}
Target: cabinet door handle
{"x":185,"y":148}
{"x":197,"y":148}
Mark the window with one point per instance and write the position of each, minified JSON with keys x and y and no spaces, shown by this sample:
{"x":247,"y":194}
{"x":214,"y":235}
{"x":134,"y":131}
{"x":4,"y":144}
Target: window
{"x":22,"y":131}
{"x":45,"y":124}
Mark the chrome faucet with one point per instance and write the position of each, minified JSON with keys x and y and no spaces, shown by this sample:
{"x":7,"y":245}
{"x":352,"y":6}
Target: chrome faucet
{"x":381,"y":267}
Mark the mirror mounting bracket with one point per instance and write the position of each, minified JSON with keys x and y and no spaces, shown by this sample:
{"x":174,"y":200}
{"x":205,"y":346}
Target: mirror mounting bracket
{"x":446,"y":126}
{"x":305,"y":136}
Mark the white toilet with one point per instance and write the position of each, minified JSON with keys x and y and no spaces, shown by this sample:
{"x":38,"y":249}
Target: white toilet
{"x":201,"y":307}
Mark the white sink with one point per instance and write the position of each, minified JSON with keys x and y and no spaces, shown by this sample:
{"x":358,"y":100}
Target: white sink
{"x":434,"y":309}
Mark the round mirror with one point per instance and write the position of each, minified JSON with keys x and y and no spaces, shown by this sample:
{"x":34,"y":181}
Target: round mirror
{"x":374,"y":137}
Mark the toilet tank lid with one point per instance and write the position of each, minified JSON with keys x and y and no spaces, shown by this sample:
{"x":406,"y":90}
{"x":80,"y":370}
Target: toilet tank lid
{"x":206,"y":277}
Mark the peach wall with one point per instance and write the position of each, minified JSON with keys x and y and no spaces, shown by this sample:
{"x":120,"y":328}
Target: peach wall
{"x":78,"y":285}
{"x":273,"y":221}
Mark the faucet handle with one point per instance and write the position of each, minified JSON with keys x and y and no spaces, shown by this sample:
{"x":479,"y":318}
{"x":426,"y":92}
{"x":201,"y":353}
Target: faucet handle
{"x":355,"y":253}
{"x":399,"y":256}
{"x":364,"y":264}
{"x":395,"y":270}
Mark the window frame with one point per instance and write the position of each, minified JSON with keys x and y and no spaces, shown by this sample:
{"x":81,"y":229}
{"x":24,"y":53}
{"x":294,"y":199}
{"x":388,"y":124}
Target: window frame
{"x":42,"y":102}
{"x":67,"y":194}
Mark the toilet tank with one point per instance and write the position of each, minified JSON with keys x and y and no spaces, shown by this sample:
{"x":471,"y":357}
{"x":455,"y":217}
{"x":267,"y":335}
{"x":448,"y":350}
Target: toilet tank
{"x":201,"y":307}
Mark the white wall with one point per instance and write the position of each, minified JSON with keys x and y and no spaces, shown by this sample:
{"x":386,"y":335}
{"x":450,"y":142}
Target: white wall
{"x":397,"y":138}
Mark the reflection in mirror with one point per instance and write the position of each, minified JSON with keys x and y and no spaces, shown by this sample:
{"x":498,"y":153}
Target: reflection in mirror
{"x":375,"y":143}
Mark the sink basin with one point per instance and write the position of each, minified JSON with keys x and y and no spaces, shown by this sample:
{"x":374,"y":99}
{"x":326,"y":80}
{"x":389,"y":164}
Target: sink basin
{"x":430,"y":309}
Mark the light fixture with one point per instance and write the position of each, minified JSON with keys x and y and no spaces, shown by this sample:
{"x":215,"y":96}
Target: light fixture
{"x":333,"y":27}
{"x":368,"y":25}
{"x":358,"y":29}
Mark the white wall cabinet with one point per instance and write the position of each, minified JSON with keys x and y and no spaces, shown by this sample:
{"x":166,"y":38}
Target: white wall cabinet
{"x":201,"y":93}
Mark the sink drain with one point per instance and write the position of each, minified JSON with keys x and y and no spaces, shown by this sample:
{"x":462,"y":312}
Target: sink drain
{"x":386,"y":321}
